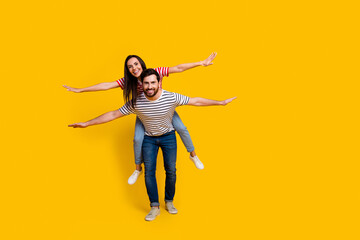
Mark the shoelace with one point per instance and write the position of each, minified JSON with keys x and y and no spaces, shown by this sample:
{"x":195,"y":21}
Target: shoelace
{"x":170,"y":206}
{"x":152,"y":212}
{"x":196,"y":161}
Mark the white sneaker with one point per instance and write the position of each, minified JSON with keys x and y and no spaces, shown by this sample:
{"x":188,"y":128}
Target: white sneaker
{"x":197,"y":162}
{"x":132,"y":179}
{"x":154,"y":212}
{"x":169,"y":206}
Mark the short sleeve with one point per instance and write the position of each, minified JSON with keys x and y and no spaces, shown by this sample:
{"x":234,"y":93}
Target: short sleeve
{"x":163,"y":71}
{"x":121,"y":82}
{"x":127,"y":109}
{"x":181,"y":99}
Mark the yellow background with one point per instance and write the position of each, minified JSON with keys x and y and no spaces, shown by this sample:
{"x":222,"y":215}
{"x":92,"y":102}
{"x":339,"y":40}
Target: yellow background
{"x":281,"y":162}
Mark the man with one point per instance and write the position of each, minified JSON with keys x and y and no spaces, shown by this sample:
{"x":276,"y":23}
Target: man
{"x":155,"y":108}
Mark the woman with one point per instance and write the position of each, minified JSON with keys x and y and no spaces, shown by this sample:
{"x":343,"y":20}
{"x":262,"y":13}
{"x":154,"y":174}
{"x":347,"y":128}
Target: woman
{"x":132,"y":86}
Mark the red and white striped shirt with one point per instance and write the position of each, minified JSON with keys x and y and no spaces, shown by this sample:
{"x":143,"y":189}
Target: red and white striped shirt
{"x":163,"y":72}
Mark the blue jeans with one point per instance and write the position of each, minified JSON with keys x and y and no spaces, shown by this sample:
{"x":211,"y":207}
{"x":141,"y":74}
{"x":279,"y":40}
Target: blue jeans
{"x":150,"y":147}
{"x":179,"y":127}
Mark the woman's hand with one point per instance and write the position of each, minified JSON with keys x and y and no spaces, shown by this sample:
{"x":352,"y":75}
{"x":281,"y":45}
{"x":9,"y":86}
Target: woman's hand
{"x":209,"y":60}
{"x":78,"y":125}
{"x":76,"y":90}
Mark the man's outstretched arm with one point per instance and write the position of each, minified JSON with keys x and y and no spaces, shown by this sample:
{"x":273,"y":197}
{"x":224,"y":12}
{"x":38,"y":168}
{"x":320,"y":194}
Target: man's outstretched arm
{"x":106,"y":117}
{"x":198,"y":101}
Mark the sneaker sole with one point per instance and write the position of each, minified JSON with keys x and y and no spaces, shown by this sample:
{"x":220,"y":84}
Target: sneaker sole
{"x":200,"y":168}
{"x":171,"y":212}
{"x":135,"y":180}
{"x":152,"y":219}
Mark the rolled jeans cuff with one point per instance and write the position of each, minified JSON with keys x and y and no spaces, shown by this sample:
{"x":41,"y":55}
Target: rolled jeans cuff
{"x":154,"y":204}
{"x":139,"y":161}
{"x":190,"y":149}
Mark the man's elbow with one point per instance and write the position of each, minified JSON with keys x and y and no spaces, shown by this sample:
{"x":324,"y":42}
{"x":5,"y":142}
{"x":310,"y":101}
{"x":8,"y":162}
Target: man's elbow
{"x":194,"y":102}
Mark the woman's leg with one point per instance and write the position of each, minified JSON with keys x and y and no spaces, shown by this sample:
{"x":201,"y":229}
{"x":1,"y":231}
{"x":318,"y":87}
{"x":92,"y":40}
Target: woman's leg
{"x":186,"y":139}
{"x":183,"y":132}
{"x":138,"y":140}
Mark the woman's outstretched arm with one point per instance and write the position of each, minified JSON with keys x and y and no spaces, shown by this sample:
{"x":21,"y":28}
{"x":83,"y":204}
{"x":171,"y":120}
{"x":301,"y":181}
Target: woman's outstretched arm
{"x":187,"y":66}
{"x":96,"y":87}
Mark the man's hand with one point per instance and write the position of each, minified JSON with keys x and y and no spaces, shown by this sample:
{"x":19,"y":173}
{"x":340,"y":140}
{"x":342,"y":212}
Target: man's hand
{"x":198,"y":101}
{"x":225,"y":102}
{"x":106,"y":117}
{"x":208,"y":61}
{"x":76,"y":90}
{"x":78,"y":125}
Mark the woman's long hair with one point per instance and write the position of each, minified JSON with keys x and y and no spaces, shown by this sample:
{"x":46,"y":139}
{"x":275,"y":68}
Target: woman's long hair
{"x":131,"y":82}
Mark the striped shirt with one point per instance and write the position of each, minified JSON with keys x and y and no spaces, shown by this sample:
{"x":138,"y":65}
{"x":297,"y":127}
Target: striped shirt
{"x":163,"y":71}
{"x":156,"y":115}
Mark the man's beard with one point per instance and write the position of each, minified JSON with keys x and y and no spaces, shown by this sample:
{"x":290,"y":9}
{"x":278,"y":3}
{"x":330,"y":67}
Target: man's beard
{"x":155,"y":92}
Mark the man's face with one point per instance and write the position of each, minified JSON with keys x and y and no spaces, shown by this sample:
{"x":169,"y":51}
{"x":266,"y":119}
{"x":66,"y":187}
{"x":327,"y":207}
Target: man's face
{"x":150,"y":85}
{"x":134,"y":67}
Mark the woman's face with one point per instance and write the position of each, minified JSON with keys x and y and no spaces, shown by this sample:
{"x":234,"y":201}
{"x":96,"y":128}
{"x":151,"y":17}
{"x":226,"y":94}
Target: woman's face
{"x":134,"y":67}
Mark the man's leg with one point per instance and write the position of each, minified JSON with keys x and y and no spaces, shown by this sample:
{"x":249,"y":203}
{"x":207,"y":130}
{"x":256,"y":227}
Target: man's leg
{"x":150,"y":150}
{"x":169,"y":149}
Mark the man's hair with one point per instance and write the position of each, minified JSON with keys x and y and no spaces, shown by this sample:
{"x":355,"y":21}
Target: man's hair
{"x":148,"y":72}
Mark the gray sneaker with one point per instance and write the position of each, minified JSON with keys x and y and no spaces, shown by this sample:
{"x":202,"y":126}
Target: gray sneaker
{"x":169,"y":206}
{"x":154,"y":212}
